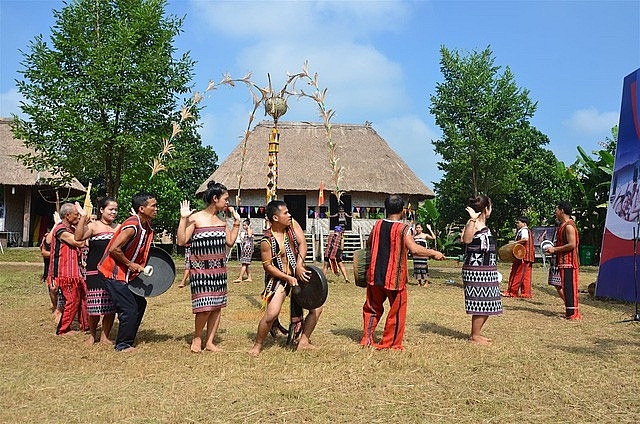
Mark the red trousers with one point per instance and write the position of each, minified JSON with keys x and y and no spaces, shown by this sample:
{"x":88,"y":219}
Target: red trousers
{"x":372,"y":311}
{"x":520,"y":279}
{"x":75,"y":303}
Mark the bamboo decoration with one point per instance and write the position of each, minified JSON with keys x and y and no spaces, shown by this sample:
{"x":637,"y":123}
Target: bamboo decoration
{"x":275,"y":104}
{"x":88,"y":206}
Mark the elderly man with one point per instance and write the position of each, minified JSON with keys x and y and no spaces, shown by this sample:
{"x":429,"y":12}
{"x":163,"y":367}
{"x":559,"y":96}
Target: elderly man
{"x":64,"y":270}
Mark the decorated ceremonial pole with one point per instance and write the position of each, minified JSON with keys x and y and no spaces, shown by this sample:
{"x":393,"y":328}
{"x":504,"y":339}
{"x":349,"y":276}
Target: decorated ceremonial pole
{"x":275,"y":106}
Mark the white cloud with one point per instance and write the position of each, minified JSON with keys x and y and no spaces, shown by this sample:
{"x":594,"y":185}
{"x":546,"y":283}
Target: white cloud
{"x":358,"y":78}
{"x":276,"y":38}
{"x":277,"y":20}
{"x":10,"y":103}
{"x":592,"y":122}
{"x":410,"y":137}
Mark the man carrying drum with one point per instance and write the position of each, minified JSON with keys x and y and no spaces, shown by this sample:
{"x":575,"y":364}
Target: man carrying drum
{"x":283,"y":250}
{"x":522,"y":269}
{"x":387,"y":277}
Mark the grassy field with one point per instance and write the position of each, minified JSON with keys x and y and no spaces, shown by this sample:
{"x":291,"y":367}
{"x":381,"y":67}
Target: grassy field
{"x":540,"y":368}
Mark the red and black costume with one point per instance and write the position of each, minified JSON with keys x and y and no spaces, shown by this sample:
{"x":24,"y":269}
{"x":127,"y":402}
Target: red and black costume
{"x":386,"y":279}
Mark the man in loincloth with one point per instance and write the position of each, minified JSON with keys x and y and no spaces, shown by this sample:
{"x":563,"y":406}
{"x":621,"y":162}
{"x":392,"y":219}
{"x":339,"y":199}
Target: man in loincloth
{"x":283,"y":250}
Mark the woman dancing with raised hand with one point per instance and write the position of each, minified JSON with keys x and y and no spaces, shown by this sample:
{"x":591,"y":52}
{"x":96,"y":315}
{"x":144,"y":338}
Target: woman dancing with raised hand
{"x":480,"y":269}
{"x":209,"y":237}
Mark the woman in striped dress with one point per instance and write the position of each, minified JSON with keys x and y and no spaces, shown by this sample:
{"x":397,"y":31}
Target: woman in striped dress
{"x":209,"y":237}
{"x":246,"y":251}
{"x":420,"y":264}
{"x":480,"y":269}
{"x":99,"y":233}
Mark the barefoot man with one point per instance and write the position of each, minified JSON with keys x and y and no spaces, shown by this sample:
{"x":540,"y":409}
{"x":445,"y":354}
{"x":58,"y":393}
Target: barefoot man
{"x":283,"y":249}
{"x":64,"y":270}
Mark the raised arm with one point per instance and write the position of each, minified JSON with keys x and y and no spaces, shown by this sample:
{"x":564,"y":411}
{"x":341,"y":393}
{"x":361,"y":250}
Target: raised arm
{"x":83,"y":229}
{"x":186,"y":225}
{"x":233,"y":234}
{"x":419,"y":250}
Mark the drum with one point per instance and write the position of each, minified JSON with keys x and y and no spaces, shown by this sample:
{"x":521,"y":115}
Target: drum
{"x":164,"y":272}
{"x":545,"y":245}
{"x":312,"y":294}
{"x":361,"y":262}
{"x":511,"y":252}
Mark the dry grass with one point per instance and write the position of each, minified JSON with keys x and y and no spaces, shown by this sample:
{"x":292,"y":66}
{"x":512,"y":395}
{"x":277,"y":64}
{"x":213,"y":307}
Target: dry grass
{"x":539,"y":369}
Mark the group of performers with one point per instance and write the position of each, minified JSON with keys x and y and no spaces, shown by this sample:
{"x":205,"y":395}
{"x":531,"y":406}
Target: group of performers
{"x":98,"y":288}
{"x":118,"y":253}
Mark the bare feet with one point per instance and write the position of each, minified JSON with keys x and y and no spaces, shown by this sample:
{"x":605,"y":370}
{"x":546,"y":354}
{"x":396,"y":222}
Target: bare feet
{"x":237,"y":280}
{"x":196,"y":345}
{"x":181,"y":285}
{"x":480,"y":340}
{"x":212,"y":348}
{"x":106,"y":340}
{"x":129,"y":349}
{"x":249,"y":280}
{"x":304,"y":345}
{"x":255,"y":350}
{"x":91,"y":339}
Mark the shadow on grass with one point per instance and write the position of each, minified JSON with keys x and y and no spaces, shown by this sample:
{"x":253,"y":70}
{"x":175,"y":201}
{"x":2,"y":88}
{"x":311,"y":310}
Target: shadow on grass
{"x":544,"y":312}
{"x":602,"y":348}
{"x":253,"y":301}
{"x":270,"y":341}
{"x":432,"y":327}
{"x":151,"y":336}
{"x":354,"y":334}
{"x":596,"y":302}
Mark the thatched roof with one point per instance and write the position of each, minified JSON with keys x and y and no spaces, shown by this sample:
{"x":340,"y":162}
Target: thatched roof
{"x":12,"y":171}
{"x":370,"y":165}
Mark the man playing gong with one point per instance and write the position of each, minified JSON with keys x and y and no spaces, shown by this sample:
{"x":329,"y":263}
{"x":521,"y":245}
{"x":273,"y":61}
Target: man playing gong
{"x":283,"y":250}
{"x":123,"y":260}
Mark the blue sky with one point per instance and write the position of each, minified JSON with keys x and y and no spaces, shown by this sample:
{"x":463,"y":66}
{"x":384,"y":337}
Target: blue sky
{"x":379,"y":61}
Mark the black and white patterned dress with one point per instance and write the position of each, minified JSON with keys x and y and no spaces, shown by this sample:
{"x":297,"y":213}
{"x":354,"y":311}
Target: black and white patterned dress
{"x":98,"y":300}
{"x":208,"y":268}
{"x":480,"y":276}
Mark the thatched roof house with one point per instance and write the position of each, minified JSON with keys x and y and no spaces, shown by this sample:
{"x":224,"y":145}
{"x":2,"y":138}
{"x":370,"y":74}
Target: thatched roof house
{"x":371,"y":170}
{"x":26,"y":205}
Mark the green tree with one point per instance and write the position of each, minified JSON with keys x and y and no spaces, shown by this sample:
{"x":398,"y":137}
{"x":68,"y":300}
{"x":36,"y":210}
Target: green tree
{"x":488,"y":144}
{"x":100,"y":99}
{"x":590,"y":182}
{"x":191,"y":164}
